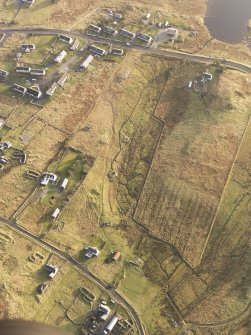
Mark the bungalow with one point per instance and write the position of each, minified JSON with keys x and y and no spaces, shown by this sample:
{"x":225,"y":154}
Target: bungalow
{"x":19,"y":89}
{"x":91,"y":252}
{"x":127,"y":33}
{"x":63,"y":184}
{"x":3,"y":74}
{"x":60,"y":56}
{"x":37,"y":72}
{"x":23,"y":69}
{"x":65,"y":38}
{"x":144,"y":37}
{"x":96,"y":50}
{"x":55,"y":213}
{"x":34,"y":92}
{"x":118,"y":52}
{"x":51,"y":90}
{"x":173,"y":32}
{"x":48,"y":177}
{"x":86,"y":62}
{"x":51,"y":269}
{"x":94,"y":28}
{"x":75,"y":45}
{"x":62,"y":80}
{"x":110,"y":31}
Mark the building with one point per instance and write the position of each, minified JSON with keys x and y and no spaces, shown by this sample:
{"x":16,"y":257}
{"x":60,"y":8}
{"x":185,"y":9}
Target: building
{"x":173,"y":32}
{"x":62,"y":80}
{"x":127,"y":33}
{"x":148,"y":15}
{"x":55,"y":213}
{"x":48,"y":177}
{"x":94,"y":28}
{"x":208,"y":76}
{"x":3,"y":160}
{"x":28,"y":46}
{"x":190,"y":84}
{"x":41,"y":288}
{"x":103,"y":311}
{"x":144,"y":37}
{"x":75,"y":45}
{"x":2,"y":122}
{"x":96,"y":50}
{"x":86,"y":62}
{"x":110,"y":325}
{"x":110,"y":31}
{"x":116,"y":256}
{"x":118,"y":16}
{"x":4,"y":145}
{"x":51,"y":90}
{"x":23,"y":69}
{"x":64,"y":184}
{"x":60,"y":56}
{"x":91,"y":252}
{"x":51,"y":269}
{"x":65,"y":39}
{"x":19,"y":89}
{"x":118,"y":52}
{"x":34,"y":92}
{"x":37,"y":72}
{"x":3,"y":74}
{"x":27,"y":3}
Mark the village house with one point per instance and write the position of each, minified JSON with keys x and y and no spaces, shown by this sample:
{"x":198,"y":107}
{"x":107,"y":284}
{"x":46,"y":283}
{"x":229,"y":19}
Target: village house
{"x":103,"y":311}
{"x":94,"y":28}
{"x":60,"y":56}
{"x":91,"y":252}
{"x":96,"y":50}
{"x":110,"y":31}
{"x":65,"y":38}
{"x":28,"y":47}
{"x":3,"y":74}
{"x":86,"y":62}
{"x":127,"y":33}
{"x":19,"y":89}
{"x":172,"y":32}
{"x":34,"y":92}
{"x":23,"y":69}
{"x":51,"y":269}
{"x":118,"y":52}
{"x":48,"y":177}
{"x":37,"y":72}
{"x":144,"y":37}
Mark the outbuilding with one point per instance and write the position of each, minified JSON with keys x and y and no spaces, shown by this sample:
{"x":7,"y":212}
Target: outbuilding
{"x":62,"y":80}
{"x":60,"y":56}
{"x":55,"y":214}
{"x":86,"y":62}
{"x":63,"y":184}
{"x":51,"y":90}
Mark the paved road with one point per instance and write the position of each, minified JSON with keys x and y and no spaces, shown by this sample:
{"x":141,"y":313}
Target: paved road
{"x":119,"y":298}
{"x":170,"y":53}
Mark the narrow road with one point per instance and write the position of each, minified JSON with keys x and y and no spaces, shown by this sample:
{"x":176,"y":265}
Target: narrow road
{"x":119,"y":298}
{"x":170,"y":53}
